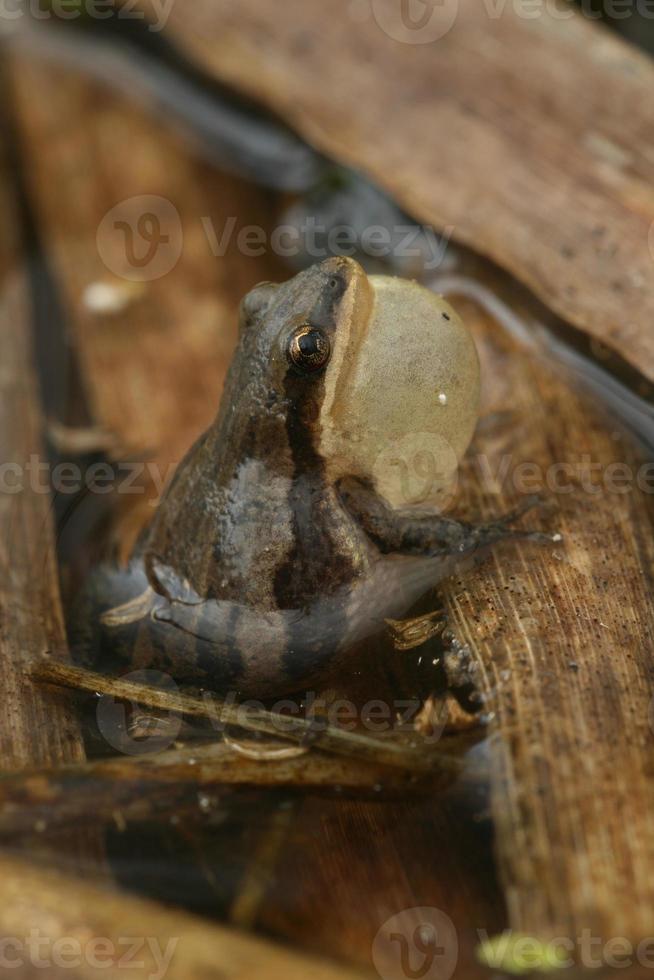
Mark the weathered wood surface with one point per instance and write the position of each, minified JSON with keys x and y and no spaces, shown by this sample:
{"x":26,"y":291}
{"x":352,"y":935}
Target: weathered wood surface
{"x":84,"y":933}
{"x":526,"y":133}
{"x":37,"y":726}
{"x":562,"y":641}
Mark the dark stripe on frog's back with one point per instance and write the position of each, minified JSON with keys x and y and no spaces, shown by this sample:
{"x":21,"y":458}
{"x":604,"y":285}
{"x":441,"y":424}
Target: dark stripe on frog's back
{"x":318,"y":564}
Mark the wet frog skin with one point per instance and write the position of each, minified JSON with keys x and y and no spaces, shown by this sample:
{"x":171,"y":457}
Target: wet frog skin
{"x":283,"y":542}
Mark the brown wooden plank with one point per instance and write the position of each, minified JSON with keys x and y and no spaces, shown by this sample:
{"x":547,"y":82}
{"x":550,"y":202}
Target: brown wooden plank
{"x":37,"y":726}
{"x":376,"y":861}
{"x":561,"y":640}
{"x":524,"y":132}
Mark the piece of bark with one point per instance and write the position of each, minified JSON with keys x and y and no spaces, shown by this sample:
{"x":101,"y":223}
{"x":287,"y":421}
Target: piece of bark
{"x":187,"y":782}
{"x":85,"y":932}
{"x":522,"y":133}
{"x":560,"y":637}
{"x":37,"y":726}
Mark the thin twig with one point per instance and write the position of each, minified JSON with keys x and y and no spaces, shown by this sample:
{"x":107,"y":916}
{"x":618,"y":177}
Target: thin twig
{"x":185,"y":782}
{"x":422,"y":758}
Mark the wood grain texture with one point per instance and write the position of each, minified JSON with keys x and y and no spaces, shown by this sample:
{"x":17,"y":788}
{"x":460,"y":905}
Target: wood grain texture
{"x":561,"y":640}
{"x":37,"y":726}
{"x":376,"y":861}
{"x":524,"y":130}
{"x":57,"y":908}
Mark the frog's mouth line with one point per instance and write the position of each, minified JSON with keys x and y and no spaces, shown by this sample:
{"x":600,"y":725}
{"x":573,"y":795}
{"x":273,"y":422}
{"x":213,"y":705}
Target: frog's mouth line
{"x":355,"y":315}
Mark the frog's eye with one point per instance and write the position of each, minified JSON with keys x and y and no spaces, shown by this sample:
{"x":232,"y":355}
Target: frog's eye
{"x":309,"y":349}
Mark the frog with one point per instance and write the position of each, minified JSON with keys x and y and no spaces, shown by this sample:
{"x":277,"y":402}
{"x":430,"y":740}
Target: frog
{"x":286,"y":541}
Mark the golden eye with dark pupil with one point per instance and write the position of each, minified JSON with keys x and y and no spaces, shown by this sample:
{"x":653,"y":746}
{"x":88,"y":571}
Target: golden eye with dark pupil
{"x":309,"y":349}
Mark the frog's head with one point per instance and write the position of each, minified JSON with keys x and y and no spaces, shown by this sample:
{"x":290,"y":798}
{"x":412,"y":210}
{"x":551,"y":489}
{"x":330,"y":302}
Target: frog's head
{"x":374,"y":374}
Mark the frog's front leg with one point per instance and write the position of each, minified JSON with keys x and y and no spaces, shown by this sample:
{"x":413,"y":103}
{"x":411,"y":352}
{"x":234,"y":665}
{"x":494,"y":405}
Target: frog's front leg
{"x":428,"y":535}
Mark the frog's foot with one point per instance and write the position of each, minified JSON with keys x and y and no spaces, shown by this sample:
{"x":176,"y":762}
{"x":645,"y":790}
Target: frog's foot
{"x":501,"y":530}
{"x":436,"y":536}
{"x":407,"y":634}
{"x":130,"y":612}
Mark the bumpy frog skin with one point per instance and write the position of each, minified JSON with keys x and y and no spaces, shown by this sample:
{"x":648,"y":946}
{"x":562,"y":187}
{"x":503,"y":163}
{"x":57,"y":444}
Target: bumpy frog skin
{"x":284,"y":541}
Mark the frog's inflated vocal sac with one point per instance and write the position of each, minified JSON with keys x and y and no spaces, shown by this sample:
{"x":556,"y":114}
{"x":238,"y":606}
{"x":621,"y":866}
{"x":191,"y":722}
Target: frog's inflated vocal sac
{"x":285,"y":540}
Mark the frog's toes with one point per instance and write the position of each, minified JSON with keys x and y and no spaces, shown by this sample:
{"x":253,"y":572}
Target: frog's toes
{"x":130,"y":612}
{"x":501,"y":529}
